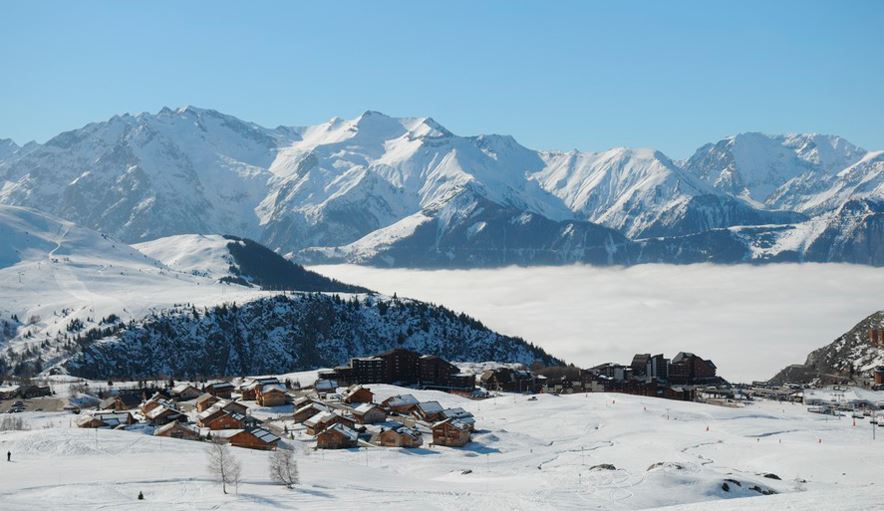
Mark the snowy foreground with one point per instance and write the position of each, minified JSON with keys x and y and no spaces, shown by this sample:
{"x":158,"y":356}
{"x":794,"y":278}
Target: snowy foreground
{"x":527,"y":454}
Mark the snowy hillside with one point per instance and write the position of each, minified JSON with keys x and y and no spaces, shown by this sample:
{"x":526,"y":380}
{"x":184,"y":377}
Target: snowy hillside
{"x":370,"y":189}
{"x":580,"y":451}
{"x":281,"y":333}
{"x":70,"y":293}
{"x":239,"y":261}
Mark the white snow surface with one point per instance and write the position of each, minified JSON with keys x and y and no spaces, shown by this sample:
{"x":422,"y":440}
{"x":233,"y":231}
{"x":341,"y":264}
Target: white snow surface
{"x":198,"y":254}
{"x":524,"y":455}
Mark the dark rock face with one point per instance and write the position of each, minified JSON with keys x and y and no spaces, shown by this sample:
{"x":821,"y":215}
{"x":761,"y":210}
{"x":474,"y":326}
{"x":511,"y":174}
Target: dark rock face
{"x":846,"y":359}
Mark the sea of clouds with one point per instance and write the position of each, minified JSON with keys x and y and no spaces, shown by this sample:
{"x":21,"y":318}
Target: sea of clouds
{"x":750,"y":320}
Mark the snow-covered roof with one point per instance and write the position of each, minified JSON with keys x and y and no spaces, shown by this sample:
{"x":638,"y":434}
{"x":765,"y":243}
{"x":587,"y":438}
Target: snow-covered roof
{"x":402,"y":429}
{"x":364,"y":408}
{"x":270,"y":387}
{"x":176,"y":424}
{"x":160,"y":410}
{"x":205,"y":397}
{"x":457,"y":423}
{"x":353,"y":390}
{"x":181,"y":387}
{"x":212,"y":410}
{"x":264,"y":435}
{"x":324,"y":384}
{"x":301,"y":401}
{"x":319,"y":418}
{"x":401,"y":400}
{"x":348,"y":432}
{"x":430,"y":407}
{"x":312,"y":404}
{"x":456,"y":413}
{"x":256,"y":382}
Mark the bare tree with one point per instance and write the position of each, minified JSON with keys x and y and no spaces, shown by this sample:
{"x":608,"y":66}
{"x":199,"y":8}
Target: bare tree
{"x":235,"y":474}
{"x":223,"y":465}
{"x":284,"y":468}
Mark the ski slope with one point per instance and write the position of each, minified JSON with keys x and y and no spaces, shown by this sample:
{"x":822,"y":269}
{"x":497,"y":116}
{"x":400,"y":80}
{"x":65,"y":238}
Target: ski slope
{"x":526,"y":454}
{"x":53,"y":272}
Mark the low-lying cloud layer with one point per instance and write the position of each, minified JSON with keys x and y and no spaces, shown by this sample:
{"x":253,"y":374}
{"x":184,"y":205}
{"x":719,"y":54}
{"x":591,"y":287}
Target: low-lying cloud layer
{"x":751,"y":320}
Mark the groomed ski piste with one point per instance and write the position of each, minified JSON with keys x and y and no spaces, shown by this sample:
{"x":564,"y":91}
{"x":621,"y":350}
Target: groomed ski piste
{"x":578,"y":451}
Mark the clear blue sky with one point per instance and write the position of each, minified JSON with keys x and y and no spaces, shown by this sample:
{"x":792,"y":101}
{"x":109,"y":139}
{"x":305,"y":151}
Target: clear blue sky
{"x":556,"y":75}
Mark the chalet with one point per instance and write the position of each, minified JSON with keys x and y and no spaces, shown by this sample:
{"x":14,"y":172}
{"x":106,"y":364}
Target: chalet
{"x":358,"y":394}
{"x":461,"y":415}
{"x":222,"y":389}
{"x":155,"y":400}
{"x":308,"y":410}
{"x":398,"y":436}
{"x":185,"y":392}
{"x":178,"y":430}
{"x":404,"y":403}
{"x":249,"y":438}
{"x":302,"y":401}
{"x":337,"y":436}
{"x":322,"y":420}
{"x":430,"y":411}
{"x":878,"y":375}
{"x":325,"y":386}
{"x":205,"y":401}
{"x":249,"y":389}
{"x":451,"y":433}
{"x":224,"y":415}
{"x":271,"y":394}
{"x":126,"y":401}
{"x":369,"y":413}
{"x":163,"y":414}
{"x":226,"y":420}
{"x":233,"y":406}
{"x":105,"y":420}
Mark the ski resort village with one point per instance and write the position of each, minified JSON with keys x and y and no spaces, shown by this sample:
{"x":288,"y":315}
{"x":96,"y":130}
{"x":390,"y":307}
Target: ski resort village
{"x":426,"y":256}
{"x":403,"y":427}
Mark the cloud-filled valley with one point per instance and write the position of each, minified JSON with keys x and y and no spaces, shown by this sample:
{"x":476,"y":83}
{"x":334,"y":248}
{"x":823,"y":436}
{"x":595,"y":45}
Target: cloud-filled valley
{"x":750,"y":320}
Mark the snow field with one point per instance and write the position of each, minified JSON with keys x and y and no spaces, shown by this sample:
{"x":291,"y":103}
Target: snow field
{"x":526,"y":454}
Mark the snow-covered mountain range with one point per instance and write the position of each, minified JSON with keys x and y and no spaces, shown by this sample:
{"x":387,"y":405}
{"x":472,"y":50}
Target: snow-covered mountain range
{"x":77,"y":301}
{"x":408,"y":192}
